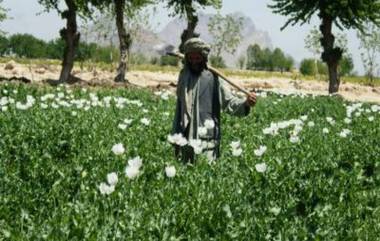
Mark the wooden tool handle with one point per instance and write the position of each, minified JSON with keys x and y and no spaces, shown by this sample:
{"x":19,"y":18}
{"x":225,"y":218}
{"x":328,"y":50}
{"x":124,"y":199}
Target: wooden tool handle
{"x":215,"y":71}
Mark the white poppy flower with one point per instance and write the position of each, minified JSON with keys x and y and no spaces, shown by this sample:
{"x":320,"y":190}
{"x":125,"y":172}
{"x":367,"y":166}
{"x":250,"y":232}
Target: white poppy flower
{"x":235,"y":144}
{"x":131,"y":172}
{"x":122,"y":126}
{"x":177,"y":139}
{"x":260,"y":151}
{"x":237,"y":152}
{"x":330,"y":120}
{"x":294,"y":139}
{"x":112,"y":178}
{"x":165,"y":96}
{"x":325,"y":130}
{"x":135,"y":162}
{"x":371,"y":118}
{"x":227,"y":209}
{"x":297,"y":128}
{"x":209,"y":124}
{"x":275,"y":210}
{"x":304,"y":117}
{"x":118,"y":149}
{"x":127,"y":121}
{"x":196,"y":145}
{"x":106,"y":189}
{"x":347,"y":120}
{"x":145,"y":121}
{"x":344,"y":133}
{"x":261,"y":167}
{"x":170,"y":171}
{"x":202,"y":131}
{"x":311,"y":124}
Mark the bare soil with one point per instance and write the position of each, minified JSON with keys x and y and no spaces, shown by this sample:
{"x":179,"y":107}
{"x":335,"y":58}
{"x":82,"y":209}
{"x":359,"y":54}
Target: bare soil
{"x":45,"y":74}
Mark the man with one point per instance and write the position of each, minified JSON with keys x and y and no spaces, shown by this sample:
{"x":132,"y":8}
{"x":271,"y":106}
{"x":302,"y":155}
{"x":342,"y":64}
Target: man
{"x":201,"y":96}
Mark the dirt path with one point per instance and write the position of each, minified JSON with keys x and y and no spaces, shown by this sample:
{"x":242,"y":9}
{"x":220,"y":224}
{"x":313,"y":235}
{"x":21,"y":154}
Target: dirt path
{"x":42,"y":73}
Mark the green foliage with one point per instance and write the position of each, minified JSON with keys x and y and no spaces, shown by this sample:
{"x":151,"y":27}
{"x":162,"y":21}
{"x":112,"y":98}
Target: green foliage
{"x":241,"y":62}
{"x":313,"y":42}
{"x":83,"y":8}
{"x":168,"y":60}
{"x":258,"y":59}
{"x":188,"y":7}
{"x":53,"y":160}
{"x":4,"y":45}
{"x":217,"y":61}
{"x":346,"y":66}
{"x":55,"y":48}
{"x":307,"y":67}
{"x":313,"y":67}
{"x":344,"y":14}
{"x":3,"y":12}
{"x":154,"y":60}
{"x":26,"y":45}
{"x":370,"y":47}
{"x":347,"y":14}
{"x":138,"y":59}
{"x":226,"y":33}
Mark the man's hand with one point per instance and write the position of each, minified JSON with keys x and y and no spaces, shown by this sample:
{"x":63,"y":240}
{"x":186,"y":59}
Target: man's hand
{"x":251,"y":99}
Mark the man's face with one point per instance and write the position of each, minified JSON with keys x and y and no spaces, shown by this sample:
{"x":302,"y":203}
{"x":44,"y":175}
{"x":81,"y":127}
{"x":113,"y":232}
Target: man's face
{"x":196,"y":62}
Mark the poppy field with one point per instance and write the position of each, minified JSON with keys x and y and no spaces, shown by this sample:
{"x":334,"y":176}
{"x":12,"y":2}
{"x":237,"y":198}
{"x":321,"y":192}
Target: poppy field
{"x":98,"y":164}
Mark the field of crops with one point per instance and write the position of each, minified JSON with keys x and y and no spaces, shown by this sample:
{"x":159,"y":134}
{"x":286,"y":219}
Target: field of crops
{"x":97,"y":164}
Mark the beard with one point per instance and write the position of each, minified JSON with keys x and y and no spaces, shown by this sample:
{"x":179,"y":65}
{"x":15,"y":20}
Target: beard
{"x":197,"y":68}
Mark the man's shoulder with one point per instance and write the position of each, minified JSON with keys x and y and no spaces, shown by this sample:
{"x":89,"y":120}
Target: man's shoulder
{"x":208,"y":74}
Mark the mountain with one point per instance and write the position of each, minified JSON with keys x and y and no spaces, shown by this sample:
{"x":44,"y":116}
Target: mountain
{"x":251,"y":35}
{"x":151,"y":44}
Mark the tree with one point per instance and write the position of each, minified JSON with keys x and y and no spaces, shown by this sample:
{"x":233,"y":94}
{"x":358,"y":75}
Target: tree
{"x":346,"y":65}
{"x":188,"y":9}
{"x":313,"y":44}
{"x":70,"y":33}
{"x":254,"y":57}
{"x":121,"y":8}
{"x":370,"y":46}
{"x":55,"y":48}
{"x":3,"y":15}
{"x":278,"y":60}
{"x":310,"y":67}
{"x":344,"y":13}
{"x":288,"y":63}
{"x":226,"y":33}
{"x":307,"y":67}
{"x":217,"y":61}
{"x":28,"y":46}
{"x":241,"y":62}
{"x":267,"y":59}
{"x":4,"y":45}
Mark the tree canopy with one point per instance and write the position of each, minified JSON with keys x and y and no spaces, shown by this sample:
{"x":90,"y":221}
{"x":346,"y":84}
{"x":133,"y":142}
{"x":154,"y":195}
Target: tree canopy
{"x":344,"y":13}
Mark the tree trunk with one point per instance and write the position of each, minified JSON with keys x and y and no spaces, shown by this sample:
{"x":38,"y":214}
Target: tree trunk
{"x":189,"y":32}
{"x":125,"y":40}
{"x":331,"y":55}
{"x":71,"y":37}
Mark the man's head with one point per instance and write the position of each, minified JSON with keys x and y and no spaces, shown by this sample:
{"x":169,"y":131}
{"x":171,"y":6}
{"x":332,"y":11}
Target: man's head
{"x":196,"y":54}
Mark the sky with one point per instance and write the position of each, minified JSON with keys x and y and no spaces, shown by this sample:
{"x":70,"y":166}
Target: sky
{"x":27,"y":16}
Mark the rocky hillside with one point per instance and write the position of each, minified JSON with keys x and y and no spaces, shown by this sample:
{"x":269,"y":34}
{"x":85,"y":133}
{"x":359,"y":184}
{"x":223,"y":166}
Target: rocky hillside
{"x":151,"y":43}
{"x":171,"y":35}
